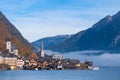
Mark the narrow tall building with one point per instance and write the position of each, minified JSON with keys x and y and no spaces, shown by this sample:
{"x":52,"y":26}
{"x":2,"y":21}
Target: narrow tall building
{"x":8,"y":45}
{"x":42,"y":54}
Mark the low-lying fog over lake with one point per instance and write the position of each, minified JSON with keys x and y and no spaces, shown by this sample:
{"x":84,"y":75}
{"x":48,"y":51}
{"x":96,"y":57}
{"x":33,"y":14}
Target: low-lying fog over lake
{"x":99,"y":58}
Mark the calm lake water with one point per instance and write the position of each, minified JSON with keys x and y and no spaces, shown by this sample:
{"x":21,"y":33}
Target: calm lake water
{"x":102,"y":74}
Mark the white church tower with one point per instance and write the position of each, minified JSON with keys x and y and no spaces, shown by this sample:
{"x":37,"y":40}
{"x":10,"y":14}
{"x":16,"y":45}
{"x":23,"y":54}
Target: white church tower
{"x":8,"y":45}
{"x":42,"y":54}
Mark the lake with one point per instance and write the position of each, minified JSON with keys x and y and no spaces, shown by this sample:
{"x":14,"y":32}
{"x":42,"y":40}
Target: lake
{"x":105,"y":73}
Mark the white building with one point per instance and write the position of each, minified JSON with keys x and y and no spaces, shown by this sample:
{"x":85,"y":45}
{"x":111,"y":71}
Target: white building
{"x":59,"y":67}
{"x":8,"y":46}
{"x":15,"y":51}
{"x":56,"y":56}
{"x":20,"y":63}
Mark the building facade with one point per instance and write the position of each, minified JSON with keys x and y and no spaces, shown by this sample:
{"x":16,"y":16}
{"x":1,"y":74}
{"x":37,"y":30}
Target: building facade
{"x":8,"y":46}
{"x":11,"y":61}
{"x":1,"y":59}
{"x":56,"y":56}
{"x":20,"y":63}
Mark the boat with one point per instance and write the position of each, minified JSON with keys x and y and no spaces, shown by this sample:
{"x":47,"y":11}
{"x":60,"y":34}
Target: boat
{"x":36,"y":68}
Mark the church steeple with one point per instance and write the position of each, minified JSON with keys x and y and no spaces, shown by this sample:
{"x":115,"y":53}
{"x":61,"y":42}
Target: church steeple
{"x":42,"y":46}
{"x":42,"y":54}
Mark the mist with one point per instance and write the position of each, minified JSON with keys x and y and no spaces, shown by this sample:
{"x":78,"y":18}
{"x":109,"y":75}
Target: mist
{"x":104,"y":59}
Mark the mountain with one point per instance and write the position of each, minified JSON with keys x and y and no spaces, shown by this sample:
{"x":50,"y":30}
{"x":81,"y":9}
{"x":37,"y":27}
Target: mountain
{"x":50,"y":41}
{"x":9,"y":31}
{"x":104,"y":35}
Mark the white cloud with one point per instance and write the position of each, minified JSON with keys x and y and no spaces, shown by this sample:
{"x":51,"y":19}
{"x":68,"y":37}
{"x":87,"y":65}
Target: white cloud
{"x":105,"y":59}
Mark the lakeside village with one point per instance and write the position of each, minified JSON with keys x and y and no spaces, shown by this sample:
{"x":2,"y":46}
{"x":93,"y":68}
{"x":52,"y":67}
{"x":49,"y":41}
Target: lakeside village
{"x":11,"y":60}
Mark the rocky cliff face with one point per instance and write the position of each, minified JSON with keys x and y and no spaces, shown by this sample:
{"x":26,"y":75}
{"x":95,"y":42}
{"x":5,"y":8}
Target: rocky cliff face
{"x":104,"y":35}
{"x":8,"y":30}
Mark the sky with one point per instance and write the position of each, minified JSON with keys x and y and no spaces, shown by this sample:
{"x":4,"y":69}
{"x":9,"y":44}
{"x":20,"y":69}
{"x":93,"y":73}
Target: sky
{"x":37,"y":19}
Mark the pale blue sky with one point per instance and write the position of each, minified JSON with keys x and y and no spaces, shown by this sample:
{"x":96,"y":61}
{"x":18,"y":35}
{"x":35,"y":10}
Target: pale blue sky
{"x":41,"y":18}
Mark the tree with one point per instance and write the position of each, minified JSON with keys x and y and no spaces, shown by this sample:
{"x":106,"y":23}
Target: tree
{"x":33,"y":56}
